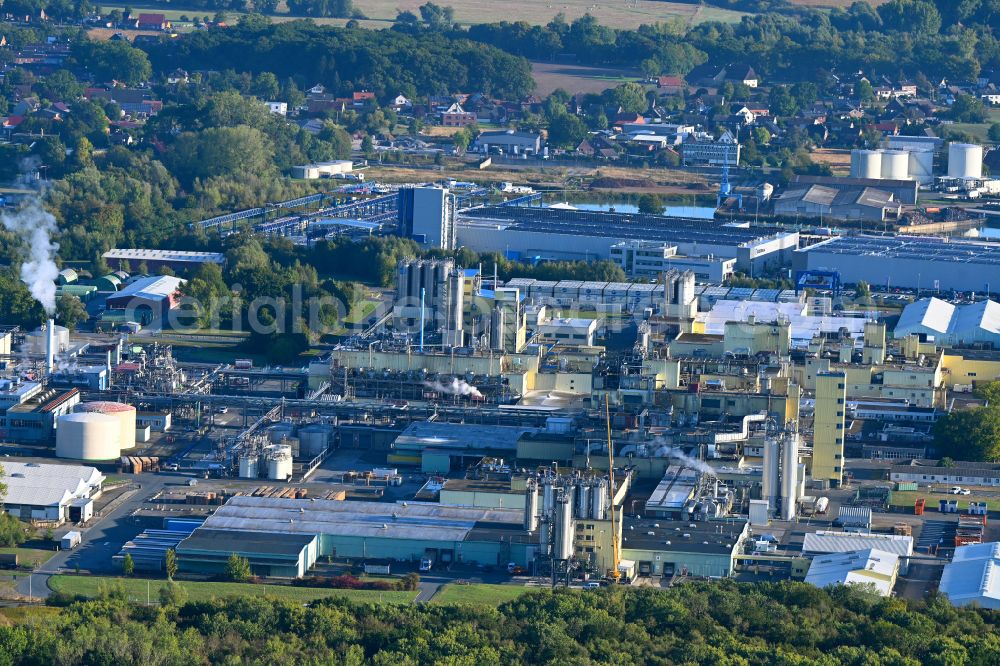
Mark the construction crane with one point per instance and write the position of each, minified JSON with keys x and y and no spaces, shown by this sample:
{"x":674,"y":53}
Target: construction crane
{"x":614,"y":574}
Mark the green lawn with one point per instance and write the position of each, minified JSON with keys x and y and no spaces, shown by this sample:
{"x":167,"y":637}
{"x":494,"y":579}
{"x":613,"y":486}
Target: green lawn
{"x":906,"y":498}
{"x":22,"y":614}
{"x":197,"y":591}
{"x":479,"y":595}
{"x":27,"y":556}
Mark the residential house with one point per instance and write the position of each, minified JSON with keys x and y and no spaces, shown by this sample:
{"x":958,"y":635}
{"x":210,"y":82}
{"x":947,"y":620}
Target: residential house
{"x":741,"y":73}
{"x":363,"y":98}
{"x":456,"y":116}
{"x":599,"y":146}
{"x":133,"y":101}
{"x":401,"y":103}
{"x":629,"y":118}
{"x":152,"y":22}
{"x":277,"y":108}
{"x":670,"y":85}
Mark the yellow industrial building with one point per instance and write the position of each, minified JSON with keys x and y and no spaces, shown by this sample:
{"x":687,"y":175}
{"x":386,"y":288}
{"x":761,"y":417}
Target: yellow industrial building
{"x":828,"y":428}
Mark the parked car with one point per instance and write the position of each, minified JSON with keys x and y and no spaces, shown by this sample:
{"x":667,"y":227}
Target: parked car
{"x":958,"y":490}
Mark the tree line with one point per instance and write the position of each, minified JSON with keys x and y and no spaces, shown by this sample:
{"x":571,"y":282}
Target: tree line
{"x":701,"y":623}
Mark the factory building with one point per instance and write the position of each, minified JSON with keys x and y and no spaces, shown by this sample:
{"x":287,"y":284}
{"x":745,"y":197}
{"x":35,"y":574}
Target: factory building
{"x":30,"y":412}
{"x":903,"y":191}
{"x":648,"y":259}
{"x":973,"y":576}
{"x":568,"y":331}
{"x":56,"y":493}
{"x":178,"y":260}
{"x":422,"y":294}
{"x":375,"y":530}
{"x":556,"y":234}
{"x":870,"y":568}
{"x":964,"y":473}
{"x":427,"y":215}
{"x":905,"y":261}
{"x":825,"y":541}
{"x":323,"y":169}
{"x":863,"y":204}
{"x":146,"y":300}
{"x":951,"y":325}
{"x":440,"y":447}
{"x":287,"y":555}
{"x":509,"y":142}
{"x":678,"y":547}
{"x":828,"y":428}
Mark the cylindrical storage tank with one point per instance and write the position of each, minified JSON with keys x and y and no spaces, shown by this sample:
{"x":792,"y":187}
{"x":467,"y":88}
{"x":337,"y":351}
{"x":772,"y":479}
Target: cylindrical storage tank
{"x":279,"y":463}
{"x":314,"y":439}
{"x":548,"y":497}
{"x":531,"y":506}
{"x":789,"y":475}
{"x":583,"y":500}
{"x":895,"y":164}
{"x":922,"y":166}
{"x":866,"y":163}
{"x":124,"y":413}
{"x":599,"y":500}
{"x":249,"y":467}
{"x":965,"y":160}
{"x":88,"y":436}
{"x":280,"y":431}
{"x":38,"y":341}
{"x":769,"y":490}
{"x":562,"y":544}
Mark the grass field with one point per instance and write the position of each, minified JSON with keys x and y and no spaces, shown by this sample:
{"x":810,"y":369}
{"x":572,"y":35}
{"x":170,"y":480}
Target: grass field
{"x":23,"y":614}
{"x":906,"y":498}
{"x":576,"y":79}
{"x":87,"y":586}
{"x":381,"y":13}
{"x":478,"y":595}
{"x":27,"y":556}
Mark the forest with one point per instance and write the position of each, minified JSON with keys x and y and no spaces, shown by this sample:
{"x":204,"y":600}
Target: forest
{"x":711,"y":623}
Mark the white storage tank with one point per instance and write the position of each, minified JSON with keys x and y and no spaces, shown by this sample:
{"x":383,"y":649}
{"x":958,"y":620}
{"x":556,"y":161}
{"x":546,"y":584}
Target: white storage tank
{"x":249,"y":466}
{"x":922,"y":166}
{"x":88,"y":436}
{"x":279,"y":463}
{"x":895,"y":164}
{"x":965,"y":160}
{"x":866,"y":163}
{"x":38,"y":340}
{"x":124,"y":413}
{"x":314,"y":439}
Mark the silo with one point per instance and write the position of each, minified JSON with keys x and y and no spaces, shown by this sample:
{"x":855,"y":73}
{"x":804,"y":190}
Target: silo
{"x":314,"y":439}
{"x":599,"y":500}
{"x":88,"y":436}
{"x":531,"y":506}
{"x":583,"y":499}
{"x":124,"y":413}
{"x":965,"y":160}
{"x":866,"y":163}
{"x":38,"y":340}
{"x":249,"y":466}
{"x":548,"y":496}
{"x":922,"y":166}
{"x":279,"y":463}
{"x":789,"y":474}
{"x":562,"y":539}
{"x":895,"y":164}
{"x":769,"y":489}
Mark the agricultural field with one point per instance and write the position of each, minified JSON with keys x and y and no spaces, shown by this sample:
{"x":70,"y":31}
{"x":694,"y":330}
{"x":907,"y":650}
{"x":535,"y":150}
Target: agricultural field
{"x":380,"y":13}
{"x":479,"y":595}
{"x":576,"y":79}
{"x":87,"y":586}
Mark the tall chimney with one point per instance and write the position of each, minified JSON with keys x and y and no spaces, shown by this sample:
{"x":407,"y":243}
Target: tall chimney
{"x":50,"y":346}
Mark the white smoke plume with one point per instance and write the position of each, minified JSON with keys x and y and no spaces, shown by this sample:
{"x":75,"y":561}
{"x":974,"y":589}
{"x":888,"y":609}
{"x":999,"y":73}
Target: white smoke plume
{"x":456,"y":387}
{"x":35,"y":227}
{"x":665,"y":451}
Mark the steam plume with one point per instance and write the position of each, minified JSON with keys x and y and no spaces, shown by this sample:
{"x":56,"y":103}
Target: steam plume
{"x":665,"y":451}
{"x":35,"y":227}
{"x":456,"y":387}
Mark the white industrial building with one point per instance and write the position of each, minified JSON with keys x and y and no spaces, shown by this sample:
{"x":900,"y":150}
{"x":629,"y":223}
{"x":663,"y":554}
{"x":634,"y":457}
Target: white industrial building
{"x":639,"y":258}
{"x":427,"y":215}
{"x":870,"y":567}
{"x":826,"y":541}
{"x":951,"y":325}
{"x":803,"y":326}
{"x":42,"y":492}
{"x":322,"y":169}
{"x":905,"y":261}
{"x":569,"y":331}
{"x":973,"y":576}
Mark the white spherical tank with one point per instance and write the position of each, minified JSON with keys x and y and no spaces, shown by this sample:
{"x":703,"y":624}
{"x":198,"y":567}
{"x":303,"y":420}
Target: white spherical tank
{"x":88,"y":436}
{"x":895,"y":164}
{"x":37,"y":341}
{"x":124,"y":413}
{"x":965,"y":160}
{"x":314,"y":439}
{"x":922,"y":166}
{"x":866,"y":164}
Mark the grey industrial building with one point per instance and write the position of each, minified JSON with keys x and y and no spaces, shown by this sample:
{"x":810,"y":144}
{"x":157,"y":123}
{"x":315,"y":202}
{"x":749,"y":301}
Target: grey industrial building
{"x":269,"y":554}
{"x":427,"y":215}
{"x":903,"y":191}
{"x":866,"y":204}
{"x":906,"y":261}
{"x":509,"y":142}
{"x":364,"y":530}
{"x":552,"y":233}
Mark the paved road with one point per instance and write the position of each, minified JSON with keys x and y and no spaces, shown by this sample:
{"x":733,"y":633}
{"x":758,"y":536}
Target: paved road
{"x":99,"y":542}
